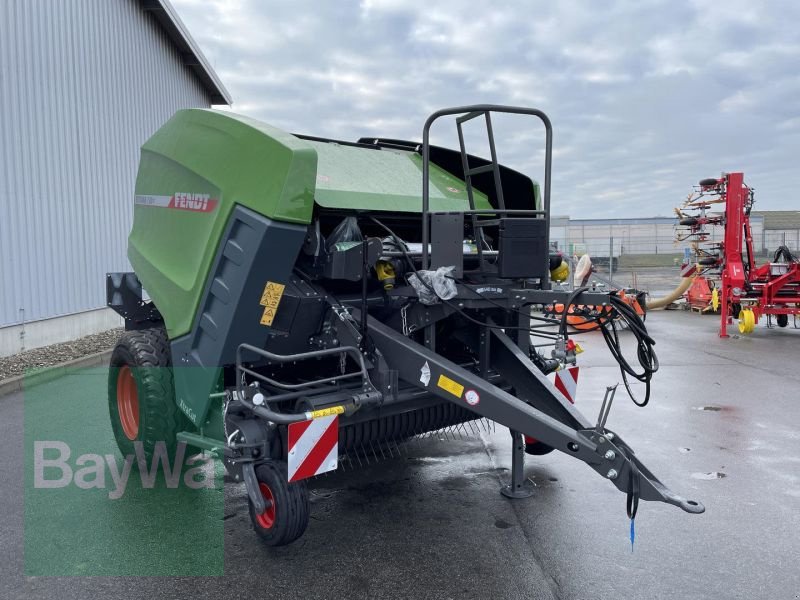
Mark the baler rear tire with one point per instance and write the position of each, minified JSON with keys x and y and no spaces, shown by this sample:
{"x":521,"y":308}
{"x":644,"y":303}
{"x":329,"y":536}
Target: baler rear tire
{"x":783,"y":320}
{"x":145,"y":354}
{"x":289,"y":516}
{"x":538,"y":448}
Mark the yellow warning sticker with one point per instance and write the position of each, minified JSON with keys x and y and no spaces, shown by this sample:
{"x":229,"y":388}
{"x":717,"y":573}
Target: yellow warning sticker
{"x":451,"y":386}
{"x":326,"y":412}
{"x":272,"y":293}
{"x":268,"y":316}
{"x":270,"y":300}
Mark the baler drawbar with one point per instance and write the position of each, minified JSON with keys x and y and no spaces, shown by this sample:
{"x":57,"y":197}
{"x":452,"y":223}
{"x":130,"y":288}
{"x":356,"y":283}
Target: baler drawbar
{"x":324,"y":296}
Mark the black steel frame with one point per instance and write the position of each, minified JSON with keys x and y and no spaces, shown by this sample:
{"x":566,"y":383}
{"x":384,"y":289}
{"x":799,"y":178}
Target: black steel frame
{"x":467,"y":113}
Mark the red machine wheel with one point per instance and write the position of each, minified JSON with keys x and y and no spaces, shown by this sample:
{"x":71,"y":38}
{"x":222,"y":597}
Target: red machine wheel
{"x":783,"y":320}
{"x":267,"y":518}
{"x":128,"y":403}
{"x":285,"y":517}
{"x":141,"y":398}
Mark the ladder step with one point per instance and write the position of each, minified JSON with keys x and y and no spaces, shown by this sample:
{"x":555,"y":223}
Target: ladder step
{"x":469,"y":116}
{"x":483,"y":169}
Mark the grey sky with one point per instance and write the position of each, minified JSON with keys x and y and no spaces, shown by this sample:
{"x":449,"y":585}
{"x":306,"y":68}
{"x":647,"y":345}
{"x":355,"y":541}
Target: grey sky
{"x":646,"y":97}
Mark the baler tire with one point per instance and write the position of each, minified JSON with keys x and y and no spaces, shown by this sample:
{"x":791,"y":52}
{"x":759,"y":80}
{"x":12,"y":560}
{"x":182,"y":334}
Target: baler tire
{"x":145,"y":355}
{"x":288,"y":518}
{"x":783,"y":320}
{"x":709,"y":181}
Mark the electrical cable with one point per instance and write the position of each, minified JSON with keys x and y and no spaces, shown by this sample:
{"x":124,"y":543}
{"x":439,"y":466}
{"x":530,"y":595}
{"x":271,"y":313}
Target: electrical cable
{"x":648,"y":360}
{"x":646,"y":355}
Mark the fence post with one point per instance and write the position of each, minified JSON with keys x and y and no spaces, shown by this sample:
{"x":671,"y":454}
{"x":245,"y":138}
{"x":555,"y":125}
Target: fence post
{"x":611,"y":259}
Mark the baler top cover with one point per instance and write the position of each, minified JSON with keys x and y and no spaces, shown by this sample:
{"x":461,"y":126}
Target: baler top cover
{"x":355,"y":177}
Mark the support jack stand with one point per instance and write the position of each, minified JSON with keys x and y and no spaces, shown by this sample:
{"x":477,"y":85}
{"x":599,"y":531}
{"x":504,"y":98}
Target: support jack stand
{"x":520,"y":487}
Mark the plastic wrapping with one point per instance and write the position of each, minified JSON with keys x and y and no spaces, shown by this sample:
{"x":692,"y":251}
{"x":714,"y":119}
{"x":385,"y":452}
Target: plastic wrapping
{"x":435,"y":285}
{"x":346,"y":232}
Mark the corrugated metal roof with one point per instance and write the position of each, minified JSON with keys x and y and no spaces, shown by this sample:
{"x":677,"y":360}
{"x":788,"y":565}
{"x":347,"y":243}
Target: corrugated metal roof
{"x":780,"y":219}
{"x":190,"y":52}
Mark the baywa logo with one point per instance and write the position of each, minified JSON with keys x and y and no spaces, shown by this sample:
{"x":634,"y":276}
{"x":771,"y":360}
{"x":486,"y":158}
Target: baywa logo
{"x":53,"y":468}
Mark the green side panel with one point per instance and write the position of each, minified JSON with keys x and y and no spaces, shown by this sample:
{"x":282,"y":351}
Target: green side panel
{"x":349,"y":177}
{"x":231,"y":159}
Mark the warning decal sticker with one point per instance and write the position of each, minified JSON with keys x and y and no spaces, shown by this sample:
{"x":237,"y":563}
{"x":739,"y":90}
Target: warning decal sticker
{"x":451,"y":386}
{"x":425,"y":374}
{"x":313,"y":447}
{"x":270,"y":300}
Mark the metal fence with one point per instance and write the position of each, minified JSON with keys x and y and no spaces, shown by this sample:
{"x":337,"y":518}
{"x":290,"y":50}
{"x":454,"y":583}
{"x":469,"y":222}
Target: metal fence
{"x":774,"y":239}
{"x":660,"y":251}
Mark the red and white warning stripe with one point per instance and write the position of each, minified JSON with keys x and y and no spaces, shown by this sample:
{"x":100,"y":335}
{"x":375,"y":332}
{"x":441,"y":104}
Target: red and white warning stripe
{"x":313,"y":447}
{"x":566,"y":382}
{"x":688,"y":270}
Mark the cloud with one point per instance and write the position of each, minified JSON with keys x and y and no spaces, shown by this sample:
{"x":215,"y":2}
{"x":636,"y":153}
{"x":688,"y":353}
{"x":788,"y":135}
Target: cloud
{"x":646,"y":98}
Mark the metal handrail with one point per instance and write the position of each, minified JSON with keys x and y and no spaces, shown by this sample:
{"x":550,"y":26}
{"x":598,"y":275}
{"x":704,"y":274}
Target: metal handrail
{"x":468,"y":112}
{"x":284,"y":358}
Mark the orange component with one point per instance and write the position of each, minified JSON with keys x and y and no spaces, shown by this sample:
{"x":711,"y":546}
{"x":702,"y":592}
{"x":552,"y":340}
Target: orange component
{"x":699,"y":293}
{"x":631,"y":300}
{"x":583,"y":323}
{"x":128,"y":403}
{"x":577,"y":321}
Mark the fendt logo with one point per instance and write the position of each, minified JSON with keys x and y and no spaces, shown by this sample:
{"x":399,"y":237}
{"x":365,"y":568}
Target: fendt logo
{"x":203,"y":203}
{"x":196,"y":202}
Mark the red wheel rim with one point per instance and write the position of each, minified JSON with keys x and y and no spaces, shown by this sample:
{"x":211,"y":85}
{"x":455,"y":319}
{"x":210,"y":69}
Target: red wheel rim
{"x":267,"y":518}
{"x":128,"y":403}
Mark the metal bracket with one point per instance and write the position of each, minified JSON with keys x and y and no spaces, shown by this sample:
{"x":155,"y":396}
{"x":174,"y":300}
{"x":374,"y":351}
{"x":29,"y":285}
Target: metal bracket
{"x":253,"y":492}
{"x":520,"y":487}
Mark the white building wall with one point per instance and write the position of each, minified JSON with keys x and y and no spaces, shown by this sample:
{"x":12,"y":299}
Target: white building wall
{"x":83,"y":83}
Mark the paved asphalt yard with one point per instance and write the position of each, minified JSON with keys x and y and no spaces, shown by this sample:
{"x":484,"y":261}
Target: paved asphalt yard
{"x":723,"y":427}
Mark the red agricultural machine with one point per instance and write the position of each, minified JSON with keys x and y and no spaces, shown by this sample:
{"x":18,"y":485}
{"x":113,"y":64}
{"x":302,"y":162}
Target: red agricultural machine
{"x":737,"y":286}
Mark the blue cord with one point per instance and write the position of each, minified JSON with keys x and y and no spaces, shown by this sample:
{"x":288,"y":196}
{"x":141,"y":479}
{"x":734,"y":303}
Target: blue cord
{"x":633,"y":535}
